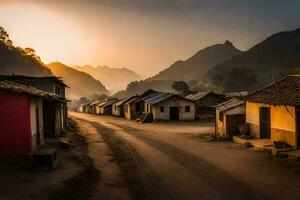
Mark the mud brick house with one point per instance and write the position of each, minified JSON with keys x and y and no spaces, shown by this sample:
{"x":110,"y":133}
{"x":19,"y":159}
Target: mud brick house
{"x":274,"y":111}
{"x":168,"y":106}
{"x":118,"y":107}
{"x":205,"y":103}
{"x":49,"y":84}
{"x":229,"y":115}
{"x":24,"y":119}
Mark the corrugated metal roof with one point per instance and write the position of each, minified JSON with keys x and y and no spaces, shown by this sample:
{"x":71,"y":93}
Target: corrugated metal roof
{"x":109,"y":102}
{"x":232,"y":103}
{"x":28,"y":90}
{"x":284,"y":92}
{"x":197,"y":96}
{"x":133,"y":99}
{"x":240,"y":110}
{"x":122,"y":101}
{"x":96,"y":102}
{"x":158,"y":98}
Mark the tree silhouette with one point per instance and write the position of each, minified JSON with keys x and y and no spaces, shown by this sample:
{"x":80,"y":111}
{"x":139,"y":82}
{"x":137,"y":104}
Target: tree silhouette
{"x":4,"y":37}
{"x":181,"y":87}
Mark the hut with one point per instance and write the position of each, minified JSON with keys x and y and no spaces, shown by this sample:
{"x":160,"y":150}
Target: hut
{"x":118,"y":107}
{"x":168,"y":106}
{"x":205,"y":103}
{"x":229,"y":116}
{"x":22,"y":117}
{"x":134,"y":107}
{"x":93,"y":106}
{"x":105,"y":107}
{"x":274,"y":112}
{"x":51,"y":84}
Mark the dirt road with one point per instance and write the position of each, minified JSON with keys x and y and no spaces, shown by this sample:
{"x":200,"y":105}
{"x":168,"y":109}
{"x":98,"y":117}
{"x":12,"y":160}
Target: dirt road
{"x":166,"y":161}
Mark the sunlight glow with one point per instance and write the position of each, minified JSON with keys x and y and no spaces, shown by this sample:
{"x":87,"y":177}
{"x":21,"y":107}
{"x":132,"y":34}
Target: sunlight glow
{"x":53,"y":36}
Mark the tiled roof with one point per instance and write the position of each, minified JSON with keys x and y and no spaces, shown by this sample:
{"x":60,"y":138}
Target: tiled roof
{"x":28,"y":90}
{"x":284,"y":92}
{"x":21,"y":78}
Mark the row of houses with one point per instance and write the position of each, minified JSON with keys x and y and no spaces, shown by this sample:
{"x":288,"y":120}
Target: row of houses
{"x":31,"y":108}
{"x":154,"y":104}
{"x":270,"y":113}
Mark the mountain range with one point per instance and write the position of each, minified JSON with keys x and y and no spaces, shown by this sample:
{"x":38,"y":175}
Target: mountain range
{"x":223,"y":68}
{"x":81,"y":84}
{"x":190,"y":70}
{"x":270,"y":60}
{"x":114,"y":79}
{"x":220,"y":67}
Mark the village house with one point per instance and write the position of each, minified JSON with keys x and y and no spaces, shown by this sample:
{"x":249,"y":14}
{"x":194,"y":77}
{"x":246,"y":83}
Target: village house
{"x":105,"y":108}
{"x":274,"y":112}
{"x":83,"y":108}
{"x":168,"y":106}
{"x":24,"y":119}
{"x":118,"y":107}
{"x":229,"y":116}
{"x":205,"y":103}
{"x":134,"y":107}
{"x":49,"y":84}
{"x":92,"y":107}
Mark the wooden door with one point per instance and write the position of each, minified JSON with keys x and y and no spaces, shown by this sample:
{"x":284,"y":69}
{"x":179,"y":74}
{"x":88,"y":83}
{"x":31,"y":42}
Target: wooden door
{"x":298,"y":126}
{"x":174,"y":113}
{"x":265,"y":123}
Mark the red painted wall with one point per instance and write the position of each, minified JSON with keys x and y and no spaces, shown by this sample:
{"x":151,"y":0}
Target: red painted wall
{"x":15,"y":130}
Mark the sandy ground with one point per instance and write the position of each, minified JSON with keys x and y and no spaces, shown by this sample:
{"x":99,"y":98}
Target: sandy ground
{"x":73,"y":178}
{"x":168,"y":162}
{"x":112,"y":185}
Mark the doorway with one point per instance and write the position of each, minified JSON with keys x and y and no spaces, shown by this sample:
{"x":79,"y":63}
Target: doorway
{"x":174,"y":113}
{"x":298,"y":126}
{"x":265,"y":122}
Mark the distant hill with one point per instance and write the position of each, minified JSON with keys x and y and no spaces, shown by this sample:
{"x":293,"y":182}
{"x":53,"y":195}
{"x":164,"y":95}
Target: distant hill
{"x":267,"y":61}
{"x":114,"y":79}
{"x":81,"y":84}
{"x":199,"y":64}
{"x":18,"y":60}
{"x":190,"y":70}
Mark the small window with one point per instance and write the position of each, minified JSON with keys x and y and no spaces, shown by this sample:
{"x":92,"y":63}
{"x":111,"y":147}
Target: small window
{"x":221,"y":116}
{"x":187,"y":109}
{"x":162,"y":109}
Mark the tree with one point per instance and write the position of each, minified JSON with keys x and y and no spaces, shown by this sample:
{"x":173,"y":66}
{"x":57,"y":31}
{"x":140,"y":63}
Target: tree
{"x":4,"y":37}
{"x":181,"y":87}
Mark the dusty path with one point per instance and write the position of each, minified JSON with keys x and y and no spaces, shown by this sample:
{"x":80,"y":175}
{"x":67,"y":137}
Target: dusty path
{"x":111,"y":186}
{"x":171,"y":165}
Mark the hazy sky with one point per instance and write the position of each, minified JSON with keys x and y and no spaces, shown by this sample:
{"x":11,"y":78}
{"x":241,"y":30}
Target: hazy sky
{"x":143,"y":35}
